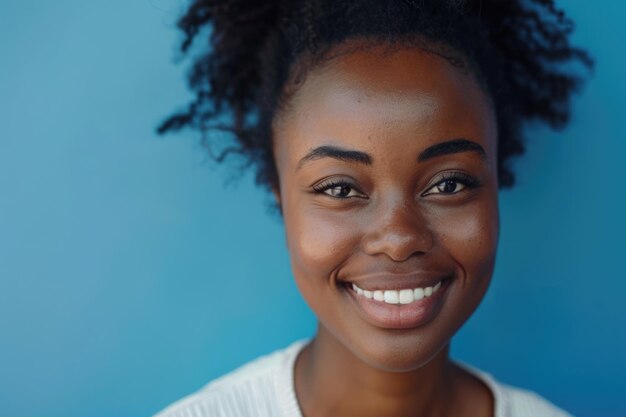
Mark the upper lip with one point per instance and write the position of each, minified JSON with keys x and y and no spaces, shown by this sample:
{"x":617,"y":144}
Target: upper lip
{"x":393,"y":281}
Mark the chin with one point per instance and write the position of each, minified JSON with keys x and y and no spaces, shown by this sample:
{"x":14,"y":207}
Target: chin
{"x":399,"y":350}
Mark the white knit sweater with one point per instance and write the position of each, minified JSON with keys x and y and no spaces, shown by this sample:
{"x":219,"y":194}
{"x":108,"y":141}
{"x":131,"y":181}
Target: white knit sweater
{"x":264,"y":388}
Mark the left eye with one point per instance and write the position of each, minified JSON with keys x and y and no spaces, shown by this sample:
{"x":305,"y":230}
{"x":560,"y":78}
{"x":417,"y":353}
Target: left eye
{"x":340,"y":191}
{"x":449,"y":186}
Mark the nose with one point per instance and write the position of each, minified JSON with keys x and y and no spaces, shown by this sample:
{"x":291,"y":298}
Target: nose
{"x":398,"y":230}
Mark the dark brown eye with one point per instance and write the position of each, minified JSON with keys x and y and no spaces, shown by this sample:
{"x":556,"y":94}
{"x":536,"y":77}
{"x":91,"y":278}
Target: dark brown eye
{"x":338,"y":189}
{"x":452,"y":185}
{"x":449,"y":186}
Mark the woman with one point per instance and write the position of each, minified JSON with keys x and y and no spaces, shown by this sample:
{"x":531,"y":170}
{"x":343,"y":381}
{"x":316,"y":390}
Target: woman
{"x":384,"y":130}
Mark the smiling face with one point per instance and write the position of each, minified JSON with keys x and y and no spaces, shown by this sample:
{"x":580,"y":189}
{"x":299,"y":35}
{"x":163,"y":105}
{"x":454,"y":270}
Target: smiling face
{"x":388,"y":188}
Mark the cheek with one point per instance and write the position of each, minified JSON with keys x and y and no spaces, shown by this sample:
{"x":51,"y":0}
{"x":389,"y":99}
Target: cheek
{"x":318,"y":242}
{"x":471,"y":238}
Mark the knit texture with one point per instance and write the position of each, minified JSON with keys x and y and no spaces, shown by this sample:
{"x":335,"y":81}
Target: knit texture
{"x":264,"y":388}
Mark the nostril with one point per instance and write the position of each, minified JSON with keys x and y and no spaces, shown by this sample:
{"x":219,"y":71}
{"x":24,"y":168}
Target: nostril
{"x":397,"y":228}
{"x":399,"y":246}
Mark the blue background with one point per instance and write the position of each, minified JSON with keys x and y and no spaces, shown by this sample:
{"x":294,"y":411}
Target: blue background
{"x":132,"y":272}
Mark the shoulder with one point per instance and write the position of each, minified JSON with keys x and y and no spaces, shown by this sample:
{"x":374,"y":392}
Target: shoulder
{"x":525,"y":403}
{"x":256,"y":388}
{"x":513,"y":401}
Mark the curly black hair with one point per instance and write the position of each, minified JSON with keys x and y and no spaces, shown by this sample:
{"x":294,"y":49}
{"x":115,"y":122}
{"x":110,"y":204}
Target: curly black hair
{"x":519,"y":50}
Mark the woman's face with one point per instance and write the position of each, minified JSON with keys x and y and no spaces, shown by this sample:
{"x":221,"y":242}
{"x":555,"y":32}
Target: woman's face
{"x":388,"y":188}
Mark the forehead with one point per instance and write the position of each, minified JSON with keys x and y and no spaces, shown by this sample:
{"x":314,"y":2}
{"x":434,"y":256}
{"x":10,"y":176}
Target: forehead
{"x":385,"y":93}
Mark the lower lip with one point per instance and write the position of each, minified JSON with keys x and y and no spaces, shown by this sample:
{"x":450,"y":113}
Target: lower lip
{"x":399,"y":316}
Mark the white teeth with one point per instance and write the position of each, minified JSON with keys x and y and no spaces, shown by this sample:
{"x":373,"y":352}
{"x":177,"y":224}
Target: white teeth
{"x":418,"y":293}
{"x":405,"y":296}
{"x":391,"y":296}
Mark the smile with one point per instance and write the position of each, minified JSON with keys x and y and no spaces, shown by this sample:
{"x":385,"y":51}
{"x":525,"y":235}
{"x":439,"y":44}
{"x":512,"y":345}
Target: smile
{"x":402,"y":296}
{"x":402,"y":307}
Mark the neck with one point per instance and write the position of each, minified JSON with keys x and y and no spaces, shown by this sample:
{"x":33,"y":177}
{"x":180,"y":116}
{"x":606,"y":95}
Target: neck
{"x":332,"y":381}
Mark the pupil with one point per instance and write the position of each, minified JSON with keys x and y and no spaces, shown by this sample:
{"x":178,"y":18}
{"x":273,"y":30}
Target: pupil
{"x":449,"y":186}
{"x":342,"y":191}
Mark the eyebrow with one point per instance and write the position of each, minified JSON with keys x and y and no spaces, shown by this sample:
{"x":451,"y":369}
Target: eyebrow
{"x":334,"y":152}
{"x":451,"y":147}
{"x":440,"y":149}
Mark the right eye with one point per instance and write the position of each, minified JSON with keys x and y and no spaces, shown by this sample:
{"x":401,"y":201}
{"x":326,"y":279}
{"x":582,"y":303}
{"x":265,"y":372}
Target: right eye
{"x":337,"y":189}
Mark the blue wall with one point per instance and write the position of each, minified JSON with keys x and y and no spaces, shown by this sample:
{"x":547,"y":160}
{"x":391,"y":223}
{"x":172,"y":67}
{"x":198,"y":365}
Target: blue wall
{"x":130,"y":275}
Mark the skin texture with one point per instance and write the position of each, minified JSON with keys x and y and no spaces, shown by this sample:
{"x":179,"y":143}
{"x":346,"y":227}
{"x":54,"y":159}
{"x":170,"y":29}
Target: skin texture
{"x":394,"y":217}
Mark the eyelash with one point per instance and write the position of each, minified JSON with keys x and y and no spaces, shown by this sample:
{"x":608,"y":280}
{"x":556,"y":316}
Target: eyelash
{"x":467,"y":181}
{"x":462,"y":178}
{"x":333,"y":183}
